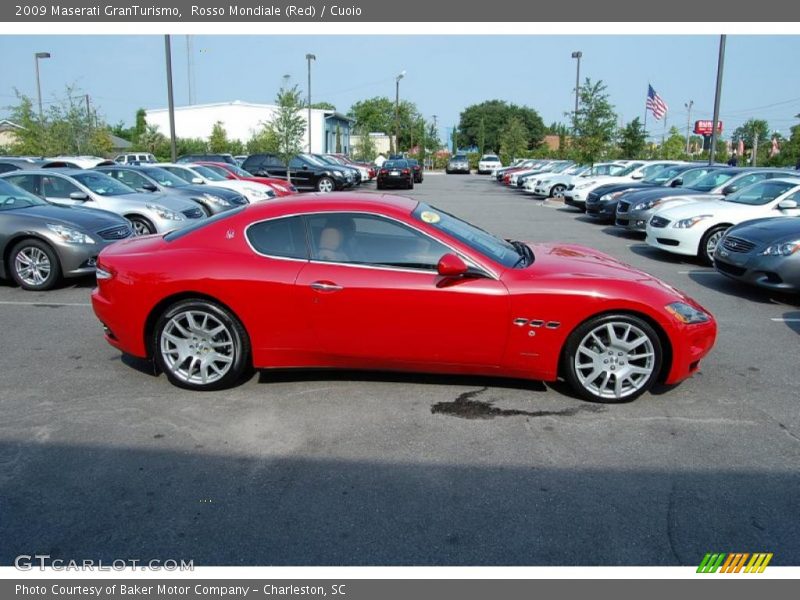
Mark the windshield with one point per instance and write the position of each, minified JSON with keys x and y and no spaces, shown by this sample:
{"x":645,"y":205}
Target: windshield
{"x":103,"y":184}
{"x":761,"y":193}
{"x":395,"y":164}
{"x":460,"y":157}
{"x":165,"y":178}
{"x":576,"y":170}
{"x":692,"y":175}
{"x":238,"y":171}
{"x":713,"y":180}
{"x":12,"y":197}
{"x":662,"y":174}
{"x":313,"y":160}
{"x":208,"y":173}
{"x":561,"y":168}
{"x":490,"y":157}
{"x":479,"y":240}
{"x":221,"y":171}
{"x":628,"y":170}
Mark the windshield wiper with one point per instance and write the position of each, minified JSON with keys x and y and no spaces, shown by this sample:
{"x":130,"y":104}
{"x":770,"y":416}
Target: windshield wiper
{"x":525,"y":254}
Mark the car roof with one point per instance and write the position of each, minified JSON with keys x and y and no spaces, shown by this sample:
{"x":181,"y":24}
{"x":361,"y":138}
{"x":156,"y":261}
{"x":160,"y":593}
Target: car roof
{"x":788,"y":179}
{"x":342,"y":201}
{"x":62,"y":170}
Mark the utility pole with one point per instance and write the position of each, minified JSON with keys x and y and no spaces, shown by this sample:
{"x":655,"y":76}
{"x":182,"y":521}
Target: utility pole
{"x":688,"y":106}
{"x":36,"y":57}
{"x":170,"y":99}
{"x":88,"y":111}
{"x":309,"y":58}
{"x":755,"y":145}
{"x":577,"y":55}
{"x":720,"y":66}
{"x":397,"y":112}
{"x":190,"y":67}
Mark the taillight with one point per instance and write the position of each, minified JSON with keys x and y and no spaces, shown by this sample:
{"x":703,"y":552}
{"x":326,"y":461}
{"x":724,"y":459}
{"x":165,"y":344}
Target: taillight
{"x":406,"y":171}
{"x":384,"y":171}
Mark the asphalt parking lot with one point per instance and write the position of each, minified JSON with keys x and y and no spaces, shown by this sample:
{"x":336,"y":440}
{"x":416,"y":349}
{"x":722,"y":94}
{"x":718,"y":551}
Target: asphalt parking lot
{"x":99,"y":459}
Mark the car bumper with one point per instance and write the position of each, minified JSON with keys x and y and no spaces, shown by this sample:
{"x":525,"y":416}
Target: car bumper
{"x":394,"y":181}
{"x":573,"y":198}
{"x":690,"y":344}
{"x":677,"y":241}
{"x":634,"y":221}
{"x":78,"y":259}
{"x":601,"y":211}
{"x":777,"y":273}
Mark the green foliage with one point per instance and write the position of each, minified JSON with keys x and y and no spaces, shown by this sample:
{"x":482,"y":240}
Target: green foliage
{"x":218,"y":140}
{"x":674,"y":147}
{"x":378,"y":115}
{"x":514,"y":139}
{"x":595,"y":123}
{"x":264,"y":140}
{"x":487,"y":121}
{"x":338,"y":139}
{"x":454,"y":140}
{"x":288,"y":125}
{"x":365,"y":150}
{"x":323,"y":105}
{"x":633,"y":139}
{"x":750,"y":130}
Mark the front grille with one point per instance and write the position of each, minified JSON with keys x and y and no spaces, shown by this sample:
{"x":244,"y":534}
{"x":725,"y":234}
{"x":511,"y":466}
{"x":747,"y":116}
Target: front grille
{"x":729,"y":268}
{"x":659,"y":222}
{"x":667,"y":242}
{"x":193,"y":213}
{"x":737,"y":244}
{"x":623,"y":206}
{"x":622,"y":222}
{"x":115,"y":233}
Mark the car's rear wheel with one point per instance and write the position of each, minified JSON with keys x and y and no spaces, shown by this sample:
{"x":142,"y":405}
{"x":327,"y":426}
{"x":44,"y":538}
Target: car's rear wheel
{"x":200,"y":345}
{"x":34,"y":265}
{"x":709,"y":244}
{"x":558,"y":191}
{"x":141,"y":226}
{"x":325,"y":185}
{"x":410,"y":184}
{"x":612,"y":358}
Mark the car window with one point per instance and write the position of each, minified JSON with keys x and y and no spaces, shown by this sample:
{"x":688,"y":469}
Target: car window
{"x":56,"y":187}
{"x":165,"y":178}
{"x":297,"y":163}
{"x":372,"y":240}
{"x":102,"y":184}
{"x":743,"y":182}
{"x":184,"y":174}
{"x":29,"y":183}
{"x":12,"y":197}
{"x":760,"y":193}
{"x":130,"y":178}
{"x":279,"y":237}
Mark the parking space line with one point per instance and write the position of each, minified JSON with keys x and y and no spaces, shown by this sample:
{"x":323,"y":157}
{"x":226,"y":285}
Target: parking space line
{"x":698,"y":272}
{"x":43,"y":304}
{"x":784,"y":320}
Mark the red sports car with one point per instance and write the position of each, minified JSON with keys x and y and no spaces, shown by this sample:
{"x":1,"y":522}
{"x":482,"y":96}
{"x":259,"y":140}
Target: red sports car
{"x":379,"y":282}
{"x":281,"y":186}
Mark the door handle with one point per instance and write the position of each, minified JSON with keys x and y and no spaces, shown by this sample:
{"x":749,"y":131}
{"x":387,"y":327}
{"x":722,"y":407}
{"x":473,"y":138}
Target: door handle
{"x":325,"y":286}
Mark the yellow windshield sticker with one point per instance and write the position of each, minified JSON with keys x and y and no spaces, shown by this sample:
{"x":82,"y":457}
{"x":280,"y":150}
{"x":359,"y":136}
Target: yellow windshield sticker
{"x":430,"y":217}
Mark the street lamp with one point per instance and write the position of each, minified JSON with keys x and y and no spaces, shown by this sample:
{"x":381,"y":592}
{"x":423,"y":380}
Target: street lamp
{"x":36,"y":58}
{"x":577,"y":55}
{"x":397,"y":111}
{"x":688,"y":106}
{"x":309,"y":58}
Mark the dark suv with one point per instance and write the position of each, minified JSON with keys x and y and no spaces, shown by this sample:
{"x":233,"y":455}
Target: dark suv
{"x":192,"y":158}
{"x":307,"y":172}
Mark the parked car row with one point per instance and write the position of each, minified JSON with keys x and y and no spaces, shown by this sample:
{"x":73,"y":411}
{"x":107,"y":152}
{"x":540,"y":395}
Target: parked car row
{"x":741,"y":220}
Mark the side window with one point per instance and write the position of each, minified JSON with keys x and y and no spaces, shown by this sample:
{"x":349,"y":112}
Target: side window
{"x":56,"y":187}
{"x":296,"y":163}
{"x":279,"y":237}
{"x":747,"y":180}
{"x":132,"y":179}
{"x":29,"y":183}
{"x":372,"y":240}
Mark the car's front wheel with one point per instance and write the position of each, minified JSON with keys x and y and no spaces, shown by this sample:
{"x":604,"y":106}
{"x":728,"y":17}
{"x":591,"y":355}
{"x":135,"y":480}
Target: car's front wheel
{"x":200,"y":345}
{"x":325,"y":185}
{"x":558,"y":191}
{"x":141,"y":226}
{"x":612,"y":358}
{"x":34,"y":265}
{"x":709,"y":244}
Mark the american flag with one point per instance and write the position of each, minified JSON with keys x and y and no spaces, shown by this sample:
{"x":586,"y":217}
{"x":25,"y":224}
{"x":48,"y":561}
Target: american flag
{"x":655,"y":104}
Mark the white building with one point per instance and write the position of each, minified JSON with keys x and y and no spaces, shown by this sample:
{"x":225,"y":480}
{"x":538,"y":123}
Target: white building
{"x":242,"y":119}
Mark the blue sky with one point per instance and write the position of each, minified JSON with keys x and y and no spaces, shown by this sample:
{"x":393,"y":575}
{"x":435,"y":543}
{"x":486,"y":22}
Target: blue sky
{"x":444,"y":73}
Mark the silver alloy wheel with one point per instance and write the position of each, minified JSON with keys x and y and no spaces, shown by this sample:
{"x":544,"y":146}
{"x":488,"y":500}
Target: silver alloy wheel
{"x":558,"y":191}
{"x":712,"y":241}
{"x":615,"y":360}
{"x":325,"y":185}
{"x":197,"y":347}
{"x":140,"y":227}
{"x":32,"y":265}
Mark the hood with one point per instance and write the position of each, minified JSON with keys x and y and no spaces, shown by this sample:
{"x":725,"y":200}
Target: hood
{"x":195,"y":190}
{"x":769,"y":230}
{"x":718,"y":208}
{"x":610,"y":188}
{"x":165,"y":200}
{"x":89,"y":219}
{"x":653,"y":193}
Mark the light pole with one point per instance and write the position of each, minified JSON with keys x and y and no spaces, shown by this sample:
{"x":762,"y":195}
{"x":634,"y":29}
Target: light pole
{"x":688,"y":106}
{"x":36,"y":58}
{"x":577,"y":55}
{"x":397,"y":111}
{"x":720,"y":66}
{"x":309,"y":58}
{"x":170,"y":98}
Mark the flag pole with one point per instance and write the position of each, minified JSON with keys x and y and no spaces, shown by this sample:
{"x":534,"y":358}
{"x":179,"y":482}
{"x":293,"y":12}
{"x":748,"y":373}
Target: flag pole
{"x":645,"y":111}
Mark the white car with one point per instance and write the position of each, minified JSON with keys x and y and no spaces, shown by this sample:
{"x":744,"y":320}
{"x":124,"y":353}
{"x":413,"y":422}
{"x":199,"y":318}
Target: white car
{"x":199,"y":174}
{"x":74,"y":162}
{"x":489,"y":163}
{"x":576,"y":196}
{"x":551,"y":166}
{"x":694,"y":229}
{"x":554,"y":184}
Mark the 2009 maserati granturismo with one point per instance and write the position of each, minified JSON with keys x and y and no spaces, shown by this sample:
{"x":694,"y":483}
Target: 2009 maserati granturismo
{"x":365,"y":281}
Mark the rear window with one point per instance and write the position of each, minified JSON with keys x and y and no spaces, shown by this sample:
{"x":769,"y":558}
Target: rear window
{"x":284,"y":237}
{"x":201,"y":223}
{"x":395,"y":164}
{"x":490,"y":157}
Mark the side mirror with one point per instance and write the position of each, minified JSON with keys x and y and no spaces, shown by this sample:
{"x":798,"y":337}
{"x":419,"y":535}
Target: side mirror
{"x":230,"y":176}
{"x":149,"y":187}
{"x":637,"y":176}
{"x":81,"y":196}
{"x":787,"y":204}
{"x":728,"y":189}
{"x":676,"y":182}
{"x":451,"y":265}
{"x":197,"y":180}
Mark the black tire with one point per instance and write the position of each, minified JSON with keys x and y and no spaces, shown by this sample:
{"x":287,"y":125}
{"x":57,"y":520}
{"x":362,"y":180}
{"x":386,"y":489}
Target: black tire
{"x":706,"y":257}
{"x":378,"y":186}
{"x":37,"y":256}
{"x":557,"y":189}
{"x":141,"y":226}
{"x":410,"y":185}
{"x":206,"y":210}
{"x":232,"y":342}
{"x":325,"y":185}
{"x":613,"y":358}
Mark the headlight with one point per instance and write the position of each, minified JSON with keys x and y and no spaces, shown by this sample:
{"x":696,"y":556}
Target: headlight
{"x":607,"y":197}
{"x":782,"y":249}
{"x":338,"y":173}
{"x":257,"y":192}
{"x":646,"y":205}
{"x":690,"y":222}
{"x":216,"y":200}
{"x":686,"y":314}
{"x":543,"y":182}
{"x":68,"y":234}
{"x":165,"y":213}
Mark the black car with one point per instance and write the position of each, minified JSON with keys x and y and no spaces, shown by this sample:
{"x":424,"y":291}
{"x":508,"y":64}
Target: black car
{"x":396,"y":173}
{"x":306,"y":171}
{"x":353,"y":174}
{"x":11,"y":163}
{"x":417,"y":168}
{"x":146,"y":178}
{"x":193,"y":158}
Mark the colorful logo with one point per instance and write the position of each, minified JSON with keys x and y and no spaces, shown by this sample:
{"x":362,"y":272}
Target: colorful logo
{"x":734,"y":562}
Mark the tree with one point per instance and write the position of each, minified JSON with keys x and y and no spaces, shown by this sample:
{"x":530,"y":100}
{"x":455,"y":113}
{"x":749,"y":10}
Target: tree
{"x":751,"y":130}
{"x":263,"y":140}
{"x":378,"y":115}
{"x":141,"y":123}
{"x":365,"y":149}
{"x":338,"y":139}
{"x":595,"y":122}
{"x":674,"y":147}
{"x":454,"y":139}
{"x":633,"y":139}
{"x":218,"y":140}
{"x":492,"y":116}
{"x":323,"y":105}
{"x":288,"y":125}
{"x":482,"y":136}
{"x":513,"y":140}
{"x":150,"y":139}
